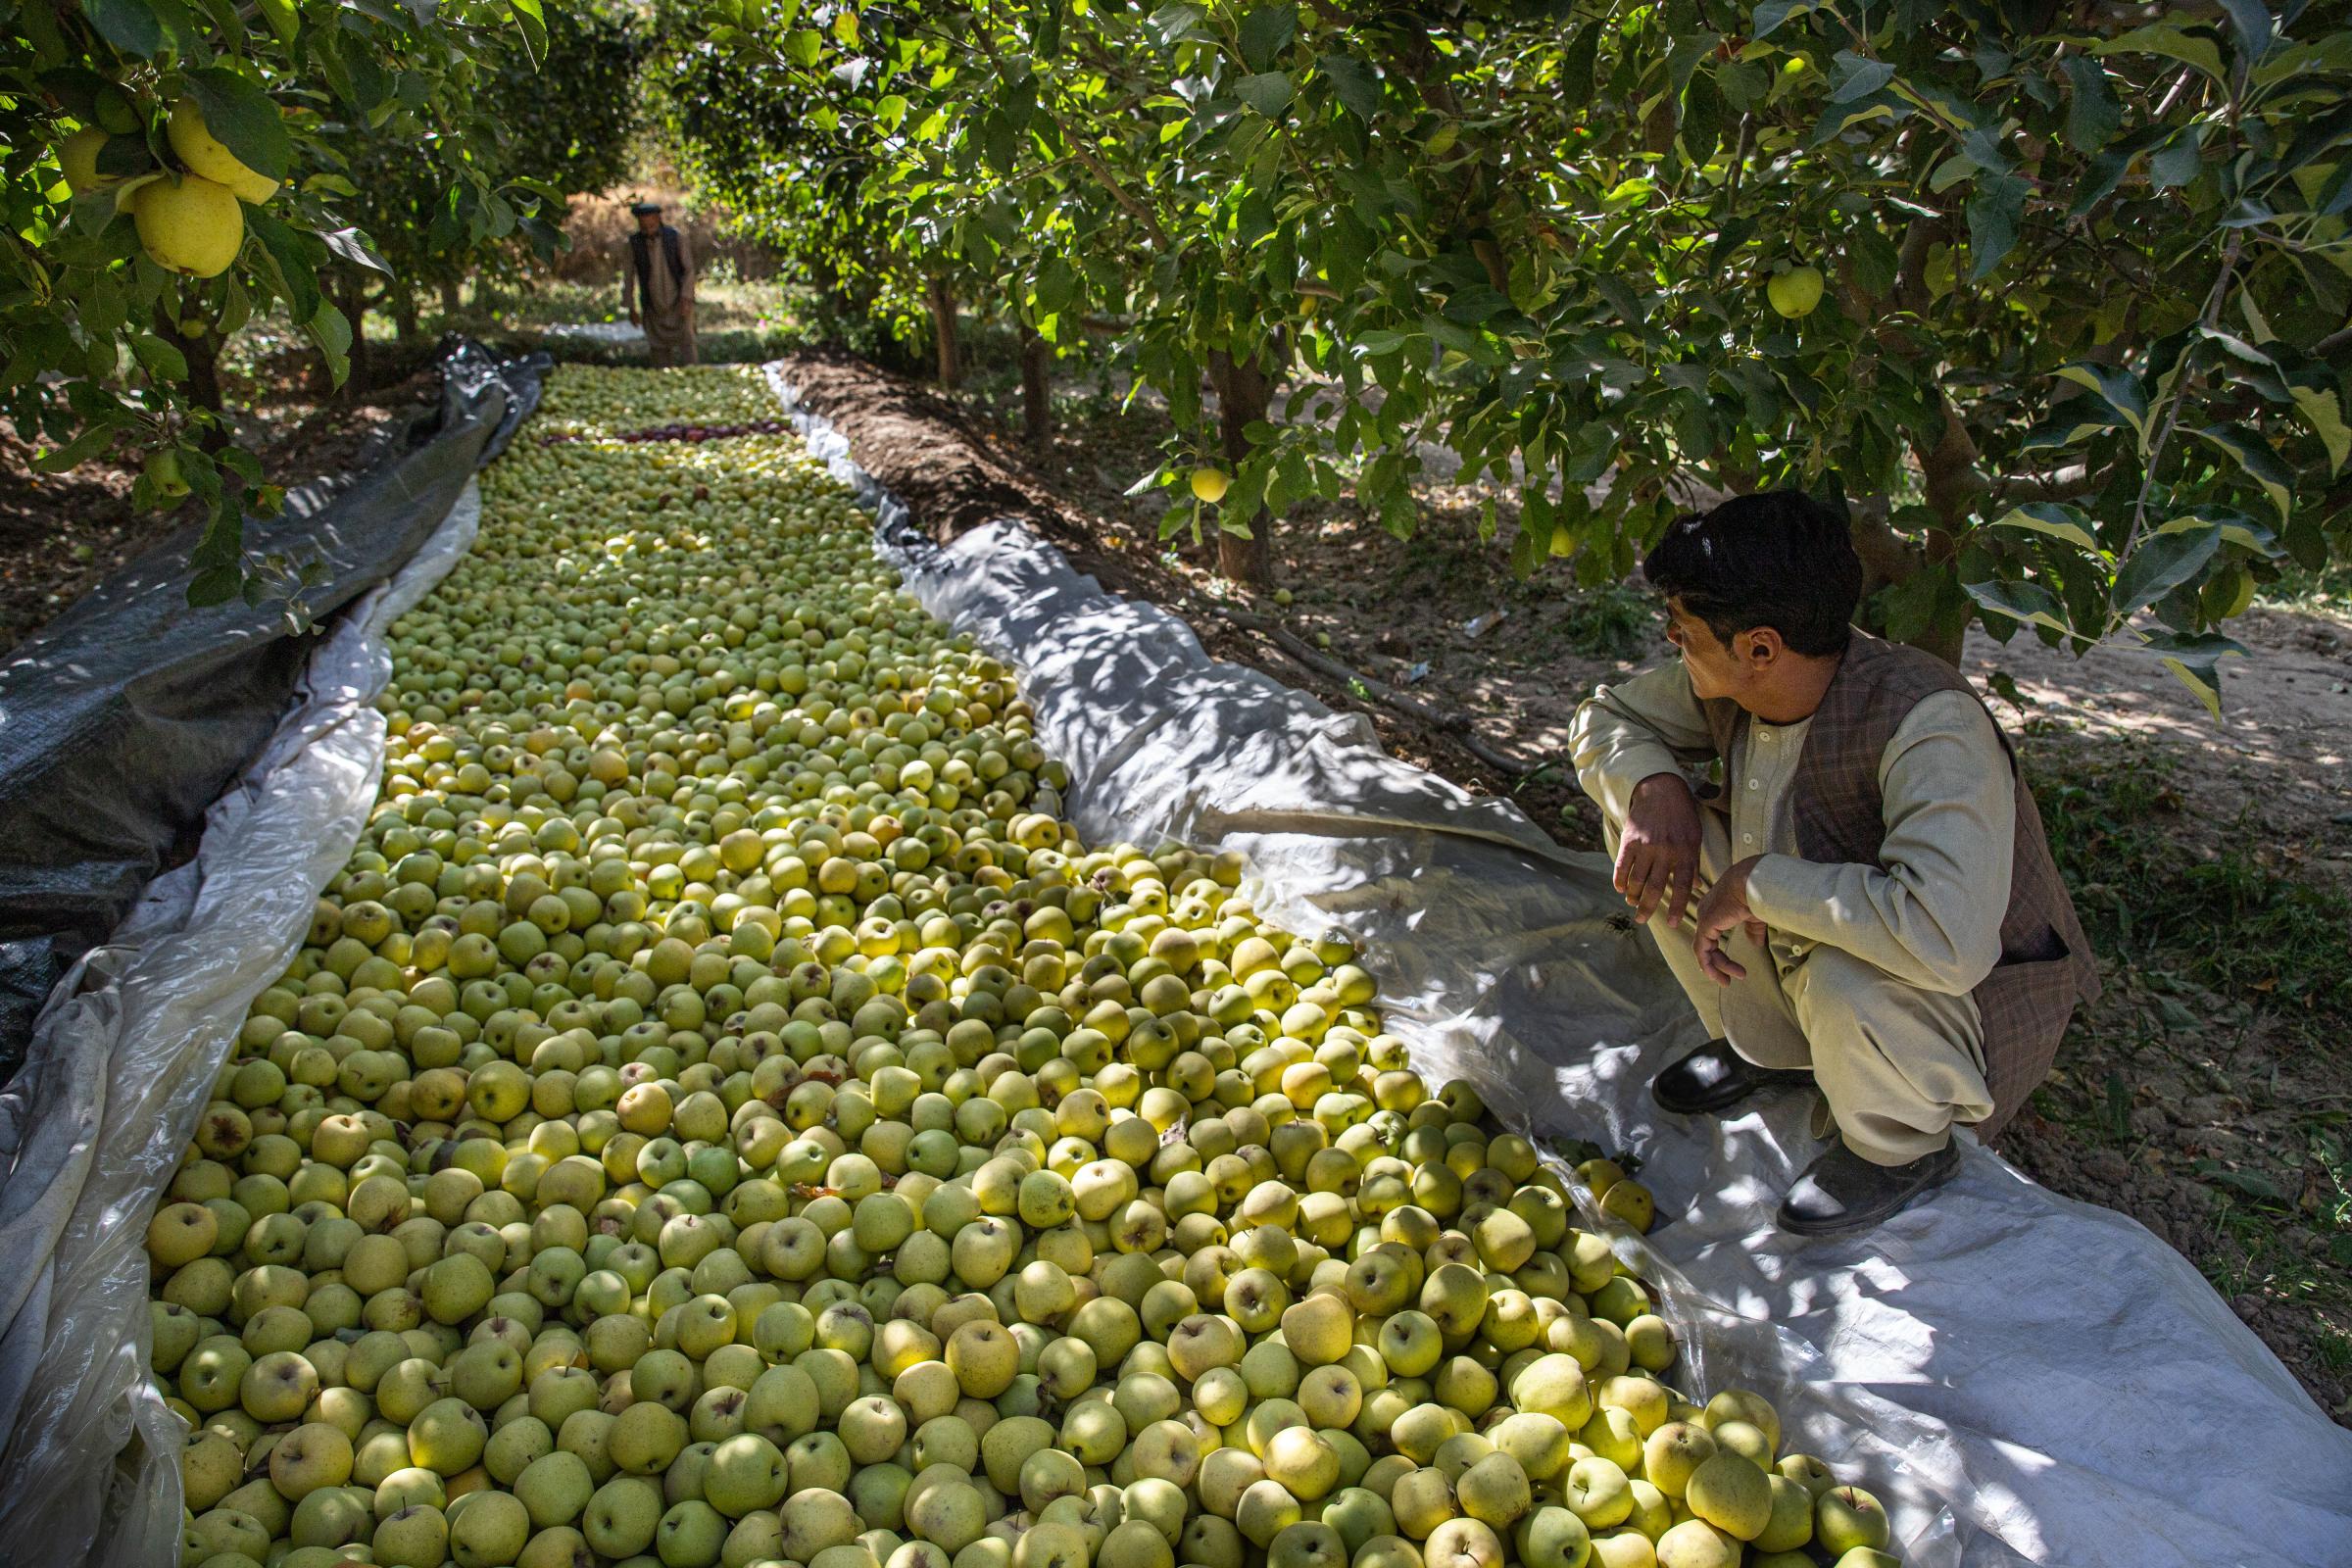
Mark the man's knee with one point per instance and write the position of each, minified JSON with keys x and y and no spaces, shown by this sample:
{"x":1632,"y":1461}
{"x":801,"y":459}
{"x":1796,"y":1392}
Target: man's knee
{"x":1852,"y":1000}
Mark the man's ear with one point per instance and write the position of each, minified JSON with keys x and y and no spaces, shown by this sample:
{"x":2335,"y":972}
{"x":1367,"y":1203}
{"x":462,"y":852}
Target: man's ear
{"x":1759,"y":647}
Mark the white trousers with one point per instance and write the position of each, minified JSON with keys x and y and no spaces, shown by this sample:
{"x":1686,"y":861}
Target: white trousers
{"x":1896,"y":1064}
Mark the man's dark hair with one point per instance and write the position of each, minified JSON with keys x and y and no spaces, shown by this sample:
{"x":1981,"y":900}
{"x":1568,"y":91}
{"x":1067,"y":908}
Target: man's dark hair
{"x":1780,"y":560}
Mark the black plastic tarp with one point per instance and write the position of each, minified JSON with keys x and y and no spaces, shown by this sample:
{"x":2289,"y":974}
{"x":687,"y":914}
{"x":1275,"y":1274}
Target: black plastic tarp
{"x":124,"y":719}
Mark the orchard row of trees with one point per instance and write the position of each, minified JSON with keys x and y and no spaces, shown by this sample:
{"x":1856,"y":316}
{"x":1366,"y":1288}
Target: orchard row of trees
{"x":169,"y":169}
{"x":2050,"y":294}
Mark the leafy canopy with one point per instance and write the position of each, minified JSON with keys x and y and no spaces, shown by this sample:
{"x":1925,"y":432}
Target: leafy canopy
{"x":2076,"y":365}
{"x":403,"y":137}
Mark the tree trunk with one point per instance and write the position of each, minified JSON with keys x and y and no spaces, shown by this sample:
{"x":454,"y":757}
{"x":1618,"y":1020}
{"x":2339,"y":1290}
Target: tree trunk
{"x":351,"y":298}
{"x":1887,"y":558}
{"x":943,"y":332}
{"x":404,"y":312}
{"x":1244,"y":391}
{"x":1953,"y":486}
{"x":1037,"y":393}
{"x":202,"y":351}
{"x":450,"y":300}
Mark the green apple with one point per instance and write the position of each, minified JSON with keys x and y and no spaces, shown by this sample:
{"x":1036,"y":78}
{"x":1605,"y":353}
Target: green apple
{"x":1847,"y":1518}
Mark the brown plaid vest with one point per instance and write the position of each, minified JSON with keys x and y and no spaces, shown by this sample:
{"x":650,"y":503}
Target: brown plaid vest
{"x":2045,"y":965}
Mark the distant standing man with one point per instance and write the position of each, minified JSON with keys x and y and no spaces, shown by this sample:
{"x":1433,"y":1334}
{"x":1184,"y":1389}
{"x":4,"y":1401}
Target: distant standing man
{"x":1827,"y":836}
{"x":661,"y":275}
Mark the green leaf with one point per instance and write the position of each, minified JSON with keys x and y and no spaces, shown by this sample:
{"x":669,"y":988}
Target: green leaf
{"x":2056,"y":519}
{"x":2236,"y":530}
{"x":1359,"y":89}
{"x":1771,"y":15}
{"x":2195,"y":660}
{"x":243,"y":120}
{"x":160,"y":360}
{"x":215,"y":586}
{"x":803,"y":46}
{"x":2177,"y":161}
{"x":2028,"y":601}
{"x":2066,"y":430}
{"x":1921,"y":604}
{"x":1172,"y":23}
{"x":102,"y":306}
{"x":1858,"y":76}
{"x":2252,"y":21}
{"x":1993,"y":213}
{"x":284,"y":20}
{"x":533,"y":21}
{"x":2162,"y":563}
{"x":2203,"y":678}
{"x":125,"y":155}
{"x":2119,"y":389}
{"x":1839,"y":118}
{"x":1046,"y":35}
{"x":297,"y":275}
{"x":130,"y":26}
{"x":352,"y":246}
{"x":1268,"y":92}
{"x":1876,"y":261}
{"x":1702,"y":119}
{"x":331,"y":332}
{"x":1575,"y":64}
{"x":2163,"y":38}
{"x":2260,"y":463}
{"x":83,"y":446}
{"x":2322,"y":407}
{"x":1265,"y":33}
{"x":2092,"y":113}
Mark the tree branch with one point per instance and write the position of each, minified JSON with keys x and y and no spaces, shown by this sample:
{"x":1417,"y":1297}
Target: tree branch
{"x":2065,"y":484}
{"x":1128,"y":204}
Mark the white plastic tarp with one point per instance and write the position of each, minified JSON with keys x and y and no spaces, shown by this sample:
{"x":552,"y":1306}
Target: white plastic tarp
{"x":123,"y":1059}
{"x":2020,"y":1377}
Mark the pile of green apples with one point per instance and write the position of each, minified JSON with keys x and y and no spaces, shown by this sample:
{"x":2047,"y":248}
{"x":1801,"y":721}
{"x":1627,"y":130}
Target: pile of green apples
{"x":723,"y":1114}
{"x":593,"y":401}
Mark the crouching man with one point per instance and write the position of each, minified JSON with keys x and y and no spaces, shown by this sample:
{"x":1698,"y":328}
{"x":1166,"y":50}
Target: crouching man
{"x":1827,"y":836}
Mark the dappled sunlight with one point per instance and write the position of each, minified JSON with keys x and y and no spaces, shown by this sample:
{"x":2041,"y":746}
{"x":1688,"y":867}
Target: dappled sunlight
{"x":1960,"y":1345}
{"x":2286,"y":719}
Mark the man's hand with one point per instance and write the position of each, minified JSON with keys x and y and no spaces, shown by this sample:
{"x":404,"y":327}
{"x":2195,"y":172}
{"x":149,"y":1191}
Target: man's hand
{"x":1724,"y":908}
{"x":1657,"y":858}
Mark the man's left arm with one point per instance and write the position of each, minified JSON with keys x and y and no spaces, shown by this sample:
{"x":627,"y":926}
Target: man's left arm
{"x":1933,"y":918}
{"x":686,"y":261}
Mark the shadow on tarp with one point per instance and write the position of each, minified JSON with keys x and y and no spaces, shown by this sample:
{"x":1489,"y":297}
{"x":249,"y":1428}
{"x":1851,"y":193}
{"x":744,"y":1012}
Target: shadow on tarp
{"x":124,"y":720}
{"x":2021,"y":1377}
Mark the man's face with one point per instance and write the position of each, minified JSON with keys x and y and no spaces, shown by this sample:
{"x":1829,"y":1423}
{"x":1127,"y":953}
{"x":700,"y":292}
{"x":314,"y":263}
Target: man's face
{"x":1715,"y":671}
{"x":649,"y":223}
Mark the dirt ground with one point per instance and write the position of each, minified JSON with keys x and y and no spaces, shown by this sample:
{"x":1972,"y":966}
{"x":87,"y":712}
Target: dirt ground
{"x":61,"y":533}
{"x":2195,"y":1095}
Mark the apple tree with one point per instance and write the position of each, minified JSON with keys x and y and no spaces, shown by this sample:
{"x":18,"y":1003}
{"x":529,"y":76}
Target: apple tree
{"x":558,"y":126}
{"x":783,"y":146}
{"x":169,"y":171}
{"x":2050,"y":297}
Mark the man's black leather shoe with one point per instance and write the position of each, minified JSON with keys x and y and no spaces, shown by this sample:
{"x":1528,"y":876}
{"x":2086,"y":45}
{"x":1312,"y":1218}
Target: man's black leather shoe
{"x":1714,"y":1077}
{"x":1841,"y":1193}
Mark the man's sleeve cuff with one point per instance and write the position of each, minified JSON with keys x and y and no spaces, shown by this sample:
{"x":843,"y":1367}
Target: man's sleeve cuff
{"x":1783,"y":888}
